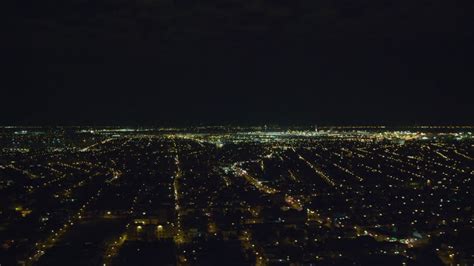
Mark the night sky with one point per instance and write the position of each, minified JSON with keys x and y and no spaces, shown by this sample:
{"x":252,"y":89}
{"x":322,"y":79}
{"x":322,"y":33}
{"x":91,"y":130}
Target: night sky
{"x":185,"y":62}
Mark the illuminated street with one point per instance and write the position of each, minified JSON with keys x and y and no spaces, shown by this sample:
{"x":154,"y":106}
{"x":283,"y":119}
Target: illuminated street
{"x":250,"y":196}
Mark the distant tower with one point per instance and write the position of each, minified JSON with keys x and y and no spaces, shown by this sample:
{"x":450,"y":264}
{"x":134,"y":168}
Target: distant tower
{"x":315,"y":128}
